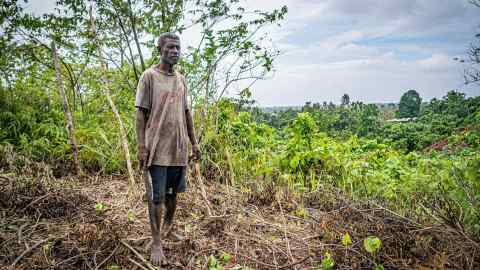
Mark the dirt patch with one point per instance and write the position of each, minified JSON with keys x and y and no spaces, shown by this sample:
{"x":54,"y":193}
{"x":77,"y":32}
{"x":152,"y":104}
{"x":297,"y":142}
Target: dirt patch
{"x":33,"y":198}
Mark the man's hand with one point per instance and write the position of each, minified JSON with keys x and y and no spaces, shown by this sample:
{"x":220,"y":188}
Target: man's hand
{"x":196,"y":152}
{"x":140,"y":127}
{"x":143,"y":157}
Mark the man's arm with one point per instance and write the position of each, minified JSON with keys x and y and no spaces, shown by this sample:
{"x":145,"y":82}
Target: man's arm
{"x":191,"y":135}
{"x":141,"y":123}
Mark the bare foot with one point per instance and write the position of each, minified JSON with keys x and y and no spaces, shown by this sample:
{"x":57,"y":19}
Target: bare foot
{"x":157,"y":256}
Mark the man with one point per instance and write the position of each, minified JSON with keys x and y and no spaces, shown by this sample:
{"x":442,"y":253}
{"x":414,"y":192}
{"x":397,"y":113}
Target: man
{"x":164,"y":123}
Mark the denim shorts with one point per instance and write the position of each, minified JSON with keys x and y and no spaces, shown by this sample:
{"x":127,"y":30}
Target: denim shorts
{"x":167,"y":180}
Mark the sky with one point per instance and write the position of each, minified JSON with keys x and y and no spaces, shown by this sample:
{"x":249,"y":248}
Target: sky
{"x":373,"y":50}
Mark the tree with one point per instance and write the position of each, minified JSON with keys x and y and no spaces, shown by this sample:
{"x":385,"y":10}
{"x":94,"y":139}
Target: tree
{"x":409,"y":104}
{"x":369,"y":119}
{"x":345,"y":99}
{"x":472,"y":71}
{"x":100,"y":71}
{"x":66,"y":111}
{"x":108,"y":95}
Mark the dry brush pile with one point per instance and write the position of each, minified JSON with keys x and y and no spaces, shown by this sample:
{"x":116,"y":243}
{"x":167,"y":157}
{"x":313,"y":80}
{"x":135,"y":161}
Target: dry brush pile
{"x":95,"y":223}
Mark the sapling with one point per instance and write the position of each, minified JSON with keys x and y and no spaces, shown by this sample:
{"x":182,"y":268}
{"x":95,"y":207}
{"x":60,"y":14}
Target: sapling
{"x":131,"y":216}
{"x":372,"y":244}
{"x":346,"y":242}
{"x":327,"y":262}
{"x":99,"y":207}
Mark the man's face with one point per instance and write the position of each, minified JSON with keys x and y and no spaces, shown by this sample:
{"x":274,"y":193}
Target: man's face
{"x":170,"y":52}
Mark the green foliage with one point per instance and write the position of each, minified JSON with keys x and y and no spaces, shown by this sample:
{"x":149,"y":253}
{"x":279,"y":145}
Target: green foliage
{"x":439,"y":119}
{"x":226,"y":257}
{"x":214,"y":264}
{"x":327,"y":262}
{"x":114,"y":267}
{"x":338,"y":121}
{"x":303,"y":154}
{"x":372,"y":244}
{"x":387,"y":168}
{"x":408,"y":136}
{"x":130,"y":216}
{"x":346,"y":240}
{"x":409,"y":104}
{"x":31,"y":117}
{"x":100,"y":207}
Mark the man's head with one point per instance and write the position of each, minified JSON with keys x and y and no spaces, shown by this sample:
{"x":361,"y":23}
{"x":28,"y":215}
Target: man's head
{"x":168,"y":46}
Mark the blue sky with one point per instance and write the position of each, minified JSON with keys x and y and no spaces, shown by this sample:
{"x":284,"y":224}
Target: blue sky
{"x":373,"y":50}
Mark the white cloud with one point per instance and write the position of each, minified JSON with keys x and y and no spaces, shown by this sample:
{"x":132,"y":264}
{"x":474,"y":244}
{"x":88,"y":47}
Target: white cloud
{"x":437,"y":62}
{"x":379,"y":79}
{"x":342,"y":39}
{"x":373,"y":50}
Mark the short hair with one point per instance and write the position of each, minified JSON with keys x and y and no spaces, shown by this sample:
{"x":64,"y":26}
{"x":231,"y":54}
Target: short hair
{"x":163,"y":39}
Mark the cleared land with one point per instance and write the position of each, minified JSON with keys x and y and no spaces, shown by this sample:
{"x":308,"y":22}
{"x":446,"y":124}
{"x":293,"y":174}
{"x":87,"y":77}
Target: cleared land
{"x":49,"y":223}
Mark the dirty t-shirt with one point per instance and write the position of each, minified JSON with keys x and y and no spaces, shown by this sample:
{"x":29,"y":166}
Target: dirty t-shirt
{"x":165,"y":97}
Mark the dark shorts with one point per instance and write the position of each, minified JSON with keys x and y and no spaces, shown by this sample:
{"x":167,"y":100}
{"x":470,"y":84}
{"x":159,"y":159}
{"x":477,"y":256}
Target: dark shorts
{"x":167,"y":180}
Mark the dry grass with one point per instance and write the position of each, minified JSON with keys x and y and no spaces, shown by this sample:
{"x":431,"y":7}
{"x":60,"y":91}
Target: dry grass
{"x":49,"y":223}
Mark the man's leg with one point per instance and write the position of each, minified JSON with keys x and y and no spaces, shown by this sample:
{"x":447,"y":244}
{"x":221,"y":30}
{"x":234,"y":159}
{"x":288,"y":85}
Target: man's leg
{"x":156,"y":200}
{"x":152,"y":215}
{"x":171,"y":206}
{"x":176,"y":182}
{"x":157,"y":256}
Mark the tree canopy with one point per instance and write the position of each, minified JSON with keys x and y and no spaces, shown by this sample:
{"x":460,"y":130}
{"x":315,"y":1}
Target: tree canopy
{"x":409,"y":105}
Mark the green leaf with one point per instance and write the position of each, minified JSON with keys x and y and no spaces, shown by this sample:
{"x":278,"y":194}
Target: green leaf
{"x":212,"y":262}
{"x":379,"y":267}
{"x":295,"y":161}
{"x":346,"y":240}
{"x":99,"y":207}
{"x":226,"y":257}
{"x":327,"y":262}
{"x":114,"y":267}
{"x":372,"y":244}
{"x":131,"y":216}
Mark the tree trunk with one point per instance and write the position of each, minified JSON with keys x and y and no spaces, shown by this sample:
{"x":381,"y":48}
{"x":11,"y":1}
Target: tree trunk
{"x":106,"y":88}
{"x":123,"y":133}
{"x":66,"y":111}
{"x":203,"y":115}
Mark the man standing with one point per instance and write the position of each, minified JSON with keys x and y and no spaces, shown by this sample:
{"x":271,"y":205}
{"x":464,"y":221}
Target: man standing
{"x":164,"y":125}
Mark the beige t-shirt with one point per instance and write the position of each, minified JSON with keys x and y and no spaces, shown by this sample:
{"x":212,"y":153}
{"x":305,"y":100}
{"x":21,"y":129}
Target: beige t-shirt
{"x":165,"y":97}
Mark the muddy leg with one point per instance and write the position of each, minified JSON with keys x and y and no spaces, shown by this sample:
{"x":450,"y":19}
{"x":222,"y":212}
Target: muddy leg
{"x":155,"y":212}
{"x":171,"y":206}
{"x":157,"y":257}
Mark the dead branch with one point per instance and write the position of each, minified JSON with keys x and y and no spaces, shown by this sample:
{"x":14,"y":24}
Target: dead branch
{"x":28,"y":250}
{"x":138,"y":255}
